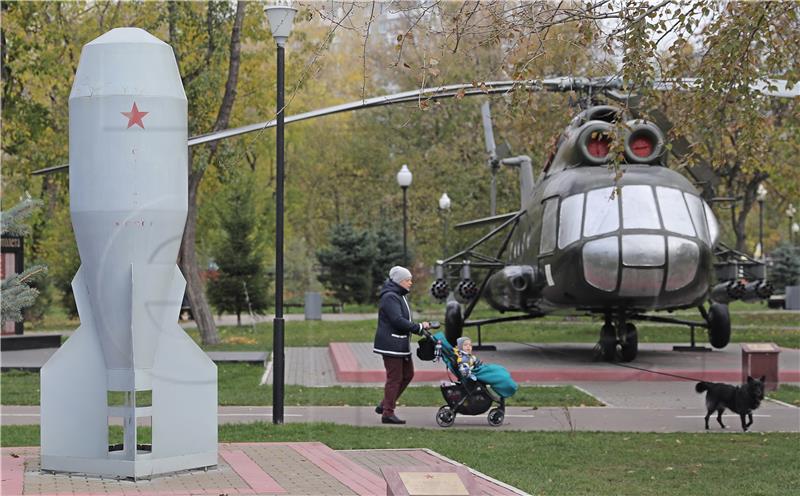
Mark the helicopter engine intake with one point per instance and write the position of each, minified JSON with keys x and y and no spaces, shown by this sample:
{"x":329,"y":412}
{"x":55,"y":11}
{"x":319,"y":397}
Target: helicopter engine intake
{"x":644,"y":144}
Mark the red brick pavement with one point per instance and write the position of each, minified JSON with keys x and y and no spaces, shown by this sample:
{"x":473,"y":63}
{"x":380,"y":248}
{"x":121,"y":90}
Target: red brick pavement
{"x":244,"y":468}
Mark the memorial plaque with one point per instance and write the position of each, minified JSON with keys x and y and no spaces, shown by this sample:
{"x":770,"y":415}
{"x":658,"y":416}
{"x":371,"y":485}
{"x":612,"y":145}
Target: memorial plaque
{"x":433,"y":480}
{"x":433,"y":484}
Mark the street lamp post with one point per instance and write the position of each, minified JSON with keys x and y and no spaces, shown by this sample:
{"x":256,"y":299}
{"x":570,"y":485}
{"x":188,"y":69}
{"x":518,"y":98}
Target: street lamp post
{"x":761,"y":195}
{"x":280,"y":17}
{"x":404,"y":178}
{"x":790,"y":211}
{"x":444,"y":208}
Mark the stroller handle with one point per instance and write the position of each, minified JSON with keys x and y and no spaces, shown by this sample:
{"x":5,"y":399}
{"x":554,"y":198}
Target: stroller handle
{"x":434,"y":325}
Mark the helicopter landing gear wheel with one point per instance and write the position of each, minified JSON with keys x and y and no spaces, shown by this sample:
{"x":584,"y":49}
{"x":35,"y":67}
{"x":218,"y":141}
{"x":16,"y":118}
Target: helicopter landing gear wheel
{"x":453,"y":322}
{"x":445,"y":416}
{"x":496,"y":417}
{"x":608,"y":342}
{"x":630,"y":342}
{"x":719,"y":325}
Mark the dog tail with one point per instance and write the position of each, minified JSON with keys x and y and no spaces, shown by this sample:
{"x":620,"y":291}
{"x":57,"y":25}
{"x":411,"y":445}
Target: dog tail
{"x":701,"y":386}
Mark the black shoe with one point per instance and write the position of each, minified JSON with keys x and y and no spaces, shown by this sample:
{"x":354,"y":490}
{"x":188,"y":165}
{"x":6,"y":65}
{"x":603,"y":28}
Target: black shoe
{"x":392,"y":420}
{"x":379,"y":409}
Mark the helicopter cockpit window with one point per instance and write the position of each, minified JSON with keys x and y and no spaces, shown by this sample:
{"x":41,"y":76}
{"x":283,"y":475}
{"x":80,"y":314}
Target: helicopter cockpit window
{"x":674,"y":211}
{"x":602,"y":212}
{"x":570,"y":220}
{"x":548,"y":240}
{"x":698,"y":216}
{"x":639,"y":208}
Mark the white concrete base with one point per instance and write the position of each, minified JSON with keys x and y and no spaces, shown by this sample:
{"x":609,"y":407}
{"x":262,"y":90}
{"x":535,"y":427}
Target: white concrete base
{"x":144,"y":467}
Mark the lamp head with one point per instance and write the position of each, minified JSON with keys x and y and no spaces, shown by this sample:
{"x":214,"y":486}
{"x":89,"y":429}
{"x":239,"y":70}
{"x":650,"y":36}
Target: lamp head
{"x":761,"y":193}
{"x":281,"y":18}
{"x":444,"y":202}
{"x":404,"y":177}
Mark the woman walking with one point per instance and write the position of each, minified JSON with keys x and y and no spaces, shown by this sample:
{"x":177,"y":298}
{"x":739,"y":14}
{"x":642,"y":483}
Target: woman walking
{"x":392,"y":340}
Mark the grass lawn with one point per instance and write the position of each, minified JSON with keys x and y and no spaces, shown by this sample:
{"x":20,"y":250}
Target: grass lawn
{"x":238,"y":385}
{"x":560,"y":463}
{"x":547,"y":330}
{"x":787,"y":394}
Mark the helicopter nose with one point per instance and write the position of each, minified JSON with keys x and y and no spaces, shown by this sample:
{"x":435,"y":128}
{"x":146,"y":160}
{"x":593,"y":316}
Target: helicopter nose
{"x":640,"y":264}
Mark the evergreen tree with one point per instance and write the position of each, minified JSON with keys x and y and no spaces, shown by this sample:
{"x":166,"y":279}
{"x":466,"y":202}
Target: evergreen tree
{"x":785,"y":270}
{"x":389,"y":252}
{"x":347,"y":264}
{"x":241,"y":283}
{"x":16,"y":292}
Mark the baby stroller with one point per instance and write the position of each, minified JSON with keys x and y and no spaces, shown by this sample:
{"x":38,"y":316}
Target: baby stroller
{"x":464,"y":396}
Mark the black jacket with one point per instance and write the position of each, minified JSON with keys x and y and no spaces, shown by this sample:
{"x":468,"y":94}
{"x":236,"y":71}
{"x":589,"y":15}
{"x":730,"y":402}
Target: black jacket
{"x":394,"y":322}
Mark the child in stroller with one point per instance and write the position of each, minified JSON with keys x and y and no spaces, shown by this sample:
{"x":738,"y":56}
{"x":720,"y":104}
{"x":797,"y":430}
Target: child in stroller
{"x":478,"y":385}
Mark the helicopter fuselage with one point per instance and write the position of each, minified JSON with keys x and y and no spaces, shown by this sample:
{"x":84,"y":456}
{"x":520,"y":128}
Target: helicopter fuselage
{"x":590,"y":242}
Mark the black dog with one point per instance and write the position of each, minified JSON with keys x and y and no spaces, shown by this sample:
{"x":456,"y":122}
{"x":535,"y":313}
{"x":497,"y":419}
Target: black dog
{"x":739,"y":399}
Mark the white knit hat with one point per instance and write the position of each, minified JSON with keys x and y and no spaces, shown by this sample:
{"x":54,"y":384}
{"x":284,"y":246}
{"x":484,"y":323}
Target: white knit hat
{"x":399,"y":274}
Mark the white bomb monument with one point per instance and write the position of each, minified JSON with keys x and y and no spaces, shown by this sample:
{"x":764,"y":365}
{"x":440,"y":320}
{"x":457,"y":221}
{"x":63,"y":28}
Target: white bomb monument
{"x":129,"y":362}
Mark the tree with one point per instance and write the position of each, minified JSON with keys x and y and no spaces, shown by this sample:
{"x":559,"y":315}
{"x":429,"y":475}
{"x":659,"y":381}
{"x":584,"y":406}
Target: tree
{"x":388,"y":252}
{"x":785,"y":270}
{"x":216,"y":15}
{"x":241,"y":283}
{"x":347,"y":264}
{"x":16,"y":292}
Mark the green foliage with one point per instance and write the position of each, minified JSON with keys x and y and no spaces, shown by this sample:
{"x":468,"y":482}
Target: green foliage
{"x":341,"y":168}
{"x":17,"y":294}
{"x":59,"y":249}
{"x":388,"y":252}
{"x":14,"y":221}
{"x":240,"y":284}
{"x":17,"y":291}
{"x":346,"y":265}
{"x":785,"y":270}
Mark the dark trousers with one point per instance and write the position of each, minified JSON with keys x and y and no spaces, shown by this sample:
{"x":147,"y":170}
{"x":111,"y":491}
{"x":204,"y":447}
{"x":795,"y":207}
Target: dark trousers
{"x":399,"y":372}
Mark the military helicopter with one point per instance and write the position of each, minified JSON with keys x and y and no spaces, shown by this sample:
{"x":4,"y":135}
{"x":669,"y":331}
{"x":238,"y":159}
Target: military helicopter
{"x":580,"y":240}
{"x":617,"y":242}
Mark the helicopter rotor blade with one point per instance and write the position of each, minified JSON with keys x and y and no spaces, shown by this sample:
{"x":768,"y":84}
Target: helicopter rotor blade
{"x":610,"y":84}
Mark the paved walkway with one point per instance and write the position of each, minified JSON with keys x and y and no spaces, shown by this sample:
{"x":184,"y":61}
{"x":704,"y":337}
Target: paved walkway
{"x":682,"y":416}
{"x":243,"y":468}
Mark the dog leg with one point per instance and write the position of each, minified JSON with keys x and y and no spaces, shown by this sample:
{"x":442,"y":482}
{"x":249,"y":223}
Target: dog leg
{"x":707,"y":416}
{"x":744,"y":424}
{"x":719,"y":417}
{"x":749,"y":419}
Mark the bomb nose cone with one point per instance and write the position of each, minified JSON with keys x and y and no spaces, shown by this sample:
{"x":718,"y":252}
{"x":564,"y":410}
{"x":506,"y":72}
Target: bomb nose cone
{"x":127,"y":61}
{"x":126,"y":35}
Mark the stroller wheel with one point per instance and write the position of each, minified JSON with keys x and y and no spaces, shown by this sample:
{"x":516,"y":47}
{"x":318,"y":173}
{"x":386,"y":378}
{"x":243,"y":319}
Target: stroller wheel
{"x":445,"y":416}
{"x":496,"y":417}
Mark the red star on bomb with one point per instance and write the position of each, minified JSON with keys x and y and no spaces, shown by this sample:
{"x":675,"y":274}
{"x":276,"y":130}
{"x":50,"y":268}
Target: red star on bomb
{"x":135,"y":116}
